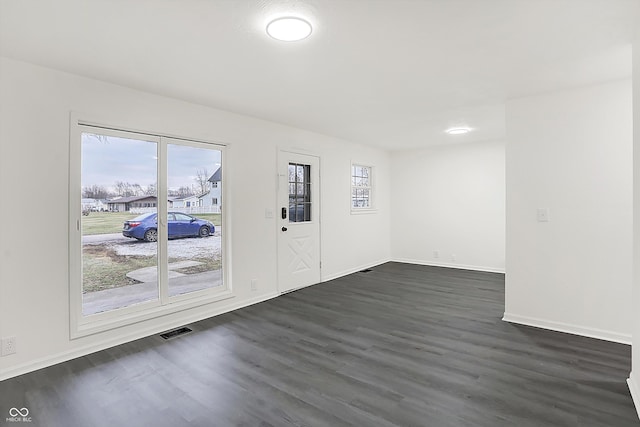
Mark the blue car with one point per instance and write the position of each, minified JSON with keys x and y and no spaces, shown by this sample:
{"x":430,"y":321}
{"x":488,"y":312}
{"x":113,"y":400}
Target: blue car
{"x":145,"y":226}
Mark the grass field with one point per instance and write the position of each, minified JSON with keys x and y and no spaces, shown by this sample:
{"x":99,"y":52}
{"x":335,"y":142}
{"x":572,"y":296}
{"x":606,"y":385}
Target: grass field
{"x":111,"y":222}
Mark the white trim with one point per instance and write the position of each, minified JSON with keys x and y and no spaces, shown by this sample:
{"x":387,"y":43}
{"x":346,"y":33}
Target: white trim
{"x":106,"y":128}
{"x":124,"y":338}
{"x":447,"y":265}
{"x":363,"y":211}
{"x":122,"y":317}
{"x":352,"y":270}
{"x":162,"y":244}
{"x":568,"y":328}
{"x":634,"y":389}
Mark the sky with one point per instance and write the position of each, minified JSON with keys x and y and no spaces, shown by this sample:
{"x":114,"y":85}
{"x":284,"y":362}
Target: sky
{"x":111,"y":159}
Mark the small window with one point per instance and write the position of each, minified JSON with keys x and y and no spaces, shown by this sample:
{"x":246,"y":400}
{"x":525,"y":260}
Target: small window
{"x":361,"y":187}
{"x":214,"y":200}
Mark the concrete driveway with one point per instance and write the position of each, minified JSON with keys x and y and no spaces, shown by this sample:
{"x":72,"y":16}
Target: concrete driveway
{"x":185,"y":248}
{"x":97,"y":239}
{"x":110,"y":299}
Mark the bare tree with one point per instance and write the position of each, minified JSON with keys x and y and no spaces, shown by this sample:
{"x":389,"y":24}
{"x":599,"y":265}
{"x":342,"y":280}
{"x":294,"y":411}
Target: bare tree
{"x":151,"y":189}
{"x":202,"y":180}
{"x":126,"y":189}
{"x":185,"y":191}
{"x":122,"y":188}
{"x":100,"y":138}
{"x":95,"y":192}
{"x":137,"y":189}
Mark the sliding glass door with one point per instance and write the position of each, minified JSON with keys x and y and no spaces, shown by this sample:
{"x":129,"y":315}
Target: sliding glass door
{"x":149,"y":221}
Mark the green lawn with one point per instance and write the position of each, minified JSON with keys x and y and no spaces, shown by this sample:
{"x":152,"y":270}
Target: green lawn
{"x":111,"y":222}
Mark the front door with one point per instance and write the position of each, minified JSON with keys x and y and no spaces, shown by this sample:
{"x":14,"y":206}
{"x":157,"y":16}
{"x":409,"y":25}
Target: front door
{"x":298,"y":221}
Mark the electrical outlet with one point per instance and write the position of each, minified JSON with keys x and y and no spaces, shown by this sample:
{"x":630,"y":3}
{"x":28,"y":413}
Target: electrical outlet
{"x":543,"y":214}
{"x":8,"y":346}
{"x":436,"y":254}
{"x":254,"y":284}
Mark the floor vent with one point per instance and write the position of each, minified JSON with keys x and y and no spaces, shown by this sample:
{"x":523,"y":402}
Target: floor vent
{"x":366,"y":270}
{"x":175,"y":333}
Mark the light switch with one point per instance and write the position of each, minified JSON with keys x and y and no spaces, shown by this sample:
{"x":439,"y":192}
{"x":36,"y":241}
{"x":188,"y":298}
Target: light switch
{"x":543,"y":214}
{"x":268,"y":213}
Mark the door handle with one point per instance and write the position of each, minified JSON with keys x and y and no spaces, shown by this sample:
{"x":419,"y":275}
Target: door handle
{"x":284,"y":214}
{"x":284,"y":228}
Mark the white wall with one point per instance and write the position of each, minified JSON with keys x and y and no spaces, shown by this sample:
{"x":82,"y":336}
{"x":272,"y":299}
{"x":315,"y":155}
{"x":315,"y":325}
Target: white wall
{"x":634,"y":380}
{"x":35,"y":105}
{"x":571,"y":152}
{"x":449,"y":199}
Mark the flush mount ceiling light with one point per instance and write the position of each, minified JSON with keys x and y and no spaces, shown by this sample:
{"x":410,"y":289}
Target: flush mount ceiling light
{"x":289,"y":29}
{"x":458,"y":131}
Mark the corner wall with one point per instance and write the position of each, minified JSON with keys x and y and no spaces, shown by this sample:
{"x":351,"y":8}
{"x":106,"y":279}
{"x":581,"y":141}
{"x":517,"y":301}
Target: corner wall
{"x":448,"y":206}
{"x":35,"y":106}
{"x":571,"y":152}
{"x":634,"y":376}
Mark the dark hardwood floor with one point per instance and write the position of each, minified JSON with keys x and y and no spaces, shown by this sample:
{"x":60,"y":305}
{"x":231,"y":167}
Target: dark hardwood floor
{"x":402,"y":345}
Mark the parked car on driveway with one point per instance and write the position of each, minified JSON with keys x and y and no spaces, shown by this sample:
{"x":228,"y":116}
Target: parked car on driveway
{"x":145,"y":226}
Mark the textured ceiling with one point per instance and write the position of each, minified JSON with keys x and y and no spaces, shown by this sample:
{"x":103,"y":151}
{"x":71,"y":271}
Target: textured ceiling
{"x":389,"y":73}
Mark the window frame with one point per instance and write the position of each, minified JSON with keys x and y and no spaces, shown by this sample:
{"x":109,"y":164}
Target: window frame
{"x":372,"y":188}
{"x":83,"y":325}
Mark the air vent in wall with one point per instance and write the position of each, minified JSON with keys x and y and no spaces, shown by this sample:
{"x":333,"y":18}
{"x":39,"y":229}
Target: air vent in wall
{"x":365,"y":270}
{"x":175,"y":333}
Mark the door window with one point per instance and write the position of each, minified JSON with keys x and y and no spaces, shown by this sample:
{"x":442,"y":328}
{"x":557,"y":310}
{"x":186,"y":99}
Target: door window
{"x":299,"y":192}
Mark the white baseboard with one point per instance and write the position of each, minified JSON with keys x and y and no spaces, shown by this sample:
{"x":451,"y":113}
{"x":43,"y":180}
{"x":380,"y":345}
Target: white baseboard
{"x":449,"y":265}
{"x":568,"y":328}
{"x":634,"y":388}
{"x":352,"y":270}
{"x":157,"y":328}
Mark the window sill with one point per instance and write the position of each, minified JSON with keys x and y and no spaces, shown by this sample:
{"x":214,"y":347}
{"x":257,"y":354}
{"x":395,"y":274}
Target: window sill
{"x":364,"y":211}
{"x":97,"y":323}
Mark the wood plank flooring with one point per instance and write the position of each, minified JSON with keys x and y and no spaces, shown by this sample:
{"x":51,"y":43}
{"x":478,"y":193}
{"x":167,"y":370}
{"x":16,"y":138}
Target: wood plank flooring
{"x":402,"y":345}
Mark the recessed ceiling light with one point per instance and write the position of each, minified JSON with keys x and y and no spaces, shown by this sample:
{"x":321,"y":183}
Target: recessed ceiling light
{"x":289,"y":29}
{"x":458,"y":131}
